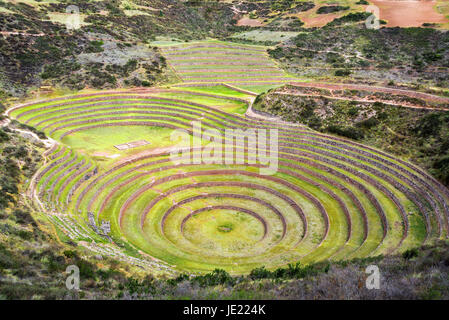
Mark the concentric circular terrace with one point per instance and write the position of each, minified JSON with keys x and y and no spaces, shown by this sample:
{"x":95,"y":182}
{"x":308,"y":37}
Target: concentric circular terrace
{"x":330,"y":198}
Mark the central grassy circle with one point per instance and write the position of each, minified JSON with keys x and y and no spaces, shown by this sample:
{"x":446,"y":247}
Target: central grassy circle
{"x":227,"y":227}
{"x":223,"y":231}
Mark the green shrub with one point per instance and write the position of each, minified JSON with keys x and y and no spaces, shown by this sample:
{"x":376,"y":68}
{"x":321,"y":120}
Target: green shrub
{"x":3,"y":136}
{"x":70,"y":254}
{"x":331,"y":9}
{"x":342,"y":72}
{"x":351,"y":17}
{"x":87,"y":270}
{"x":296,"y":23}
{"x":95,"y":46}
{"x":410,"y":253}
{"x":368,"y":123}
{"x":441,"y":168}
{"x":180,"y":278}
{"x":349,"y":132}
{"x":22,"y":217}
{"x":314,"y":122}
{"x":260,"y":273}
{"x":354,"y":111}
{"x":429,"y":125}
{"x":293,"y":271}
{"x":140,"y":287}
{"x":216,"y":277}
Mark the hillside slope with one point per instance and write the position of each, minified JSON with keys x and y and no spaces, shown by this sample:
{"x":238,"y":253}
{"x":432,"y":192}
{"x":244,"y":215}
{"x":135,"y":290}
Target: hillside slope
{"x":407,"y":126}
{"x":33,"y":261}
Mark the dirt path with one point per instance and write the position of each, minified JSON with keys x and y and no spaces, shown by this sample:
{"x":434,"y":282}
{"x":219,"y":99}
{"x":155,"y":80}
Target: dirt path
{"x":350,"y":86}
{"x":26,"y":34}
{"x":230,"y":86}
{"x":16,"y":33}
{"x":250,"y":113}
{"x":360,"y":100}
{"x":5,"y":122}
{"x":358,"y":55}
{"x":47,"y":142}
{"x":151,"y":152}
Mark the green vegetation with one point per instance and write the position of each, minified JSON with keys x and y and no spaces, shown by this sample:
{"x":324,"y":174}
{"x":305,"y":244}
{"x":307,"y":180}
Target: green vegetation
{"x":417,"y":55}
{"x":417,"y":134}
{"x":88,"y":177}
{"x":331,"y":9}
{"x":254,"y":228}
{"x":265,"y":36}
{"x":11,"y":173}
{"x":215,"y":62}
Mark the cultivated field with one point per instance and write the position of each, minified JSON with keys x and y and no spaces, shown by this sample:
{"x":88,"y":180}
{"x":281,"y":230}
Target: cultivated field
{"x":330,"y":198}
{"x":397,"y":13}
{"x":214,"y":62}
{"x":409,"y":13}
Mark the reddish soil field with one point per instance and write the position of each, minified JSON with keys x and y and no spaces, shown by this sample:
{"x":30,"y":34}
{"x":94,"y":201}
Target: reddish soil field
{"x":408,"y":13}
{"x":320,"y":20}
{"x":249,"y":22}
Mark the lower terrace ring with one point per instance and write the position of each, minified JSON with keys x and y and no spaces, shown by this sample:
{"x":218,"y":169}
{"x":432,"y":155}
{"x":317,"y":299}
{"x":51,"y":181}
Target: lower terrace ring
{"x":330,"y":198}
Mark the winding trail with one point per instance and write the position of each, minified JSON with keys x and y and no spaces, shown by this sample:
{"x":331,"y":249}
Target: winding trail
{"x":350,"y":86}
